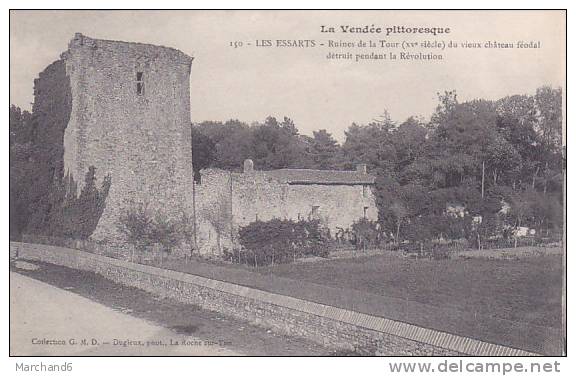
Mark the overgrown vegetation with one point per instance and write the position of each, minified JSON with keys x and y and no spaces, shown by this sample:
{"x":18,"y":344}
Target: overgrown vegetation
{"x":145,"y":228}
{"x":280,"y":241}
{"x":71,"y":215}
{"x":66,"y":213}
{"x":366,"y":234}
{"x":42,"y":200}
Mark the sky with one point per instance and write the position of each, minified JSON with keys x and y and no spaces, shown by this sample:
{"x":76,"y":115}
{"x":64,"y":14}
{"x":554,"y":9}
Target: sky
{"x":251,"y":83}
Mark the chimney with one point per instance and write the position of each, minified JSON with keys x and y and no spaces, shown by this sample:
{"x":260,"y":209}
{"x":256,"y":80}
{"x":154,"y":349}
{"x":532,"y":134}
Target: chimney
{"x":248,"y":166}
{"x":361,"y":168}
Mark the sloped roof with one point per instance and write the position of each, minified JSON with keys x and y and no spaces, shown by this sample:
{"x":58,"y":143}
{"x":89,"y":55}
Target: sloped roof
{"x":332,"y":177}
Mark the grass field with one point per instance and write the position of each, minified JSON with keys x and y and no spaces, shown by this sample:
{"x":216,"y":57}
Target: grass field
{"x":527,"y":290}
{"x":511,"y":302}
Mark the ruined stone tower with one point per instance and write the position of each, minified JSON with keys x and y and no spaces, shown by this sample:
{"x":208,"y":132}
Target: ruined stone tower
{"x":129,"y":117}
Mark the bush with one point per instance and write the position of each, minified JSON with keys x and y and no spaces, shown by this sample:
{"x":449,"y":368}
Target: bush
{"x":366,"y":234}
{"x":144,"y":229}
{"x":280,"y":241}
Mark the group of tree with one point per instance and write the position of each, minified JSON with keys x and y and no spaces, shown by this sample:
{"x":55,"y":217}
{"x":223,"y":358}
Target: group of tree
{"x":271,"y":145}
{"x":500,"y":159}
{"x":43,"y":200}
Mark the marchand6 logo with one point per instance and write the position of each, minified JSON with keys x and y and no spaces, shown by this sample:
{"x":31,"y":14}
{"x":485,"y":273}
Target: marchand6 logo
{"x":43,"y":367}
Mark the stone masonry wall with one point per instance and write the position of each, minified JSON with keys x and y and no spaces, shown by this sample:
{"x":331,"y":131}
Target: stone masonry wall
{"x":248,"y":197}
{"x":51,"y":114}
{"x":141,"y":140}
{"x":213,"y":212}
{"x":327,"y":325}
{"x":256,"y":195}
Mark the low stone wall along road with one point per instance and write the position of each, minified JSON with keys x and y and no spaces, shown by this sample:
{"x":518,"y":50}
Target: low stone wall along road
{"x":329,"y":326}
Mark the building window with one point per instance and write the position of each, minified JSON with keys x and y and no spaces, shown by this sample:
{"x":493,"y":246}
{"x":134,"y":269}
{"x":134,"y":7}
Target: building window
{"x":140,"y":83}
{"x":365,"y":190}
{"x":365,"y":211}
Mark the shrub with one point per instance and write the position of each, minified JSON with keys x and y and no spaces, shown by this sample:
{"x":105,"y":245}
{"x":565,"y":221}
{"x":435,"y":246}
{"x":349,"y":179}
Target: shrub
{"x":280,"y":241}
{"x":144,"y":228}
{"x":135,"y":223}
{"x":366,"y":234}
{"x":165,"y":231}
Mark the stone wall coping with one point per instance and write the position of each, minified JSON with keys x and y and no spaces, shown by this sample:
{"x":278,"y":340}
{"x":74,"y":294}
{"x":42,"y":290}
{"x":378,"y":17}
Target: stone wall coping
{"x":81,"y":40}
{"x":465,"y":345}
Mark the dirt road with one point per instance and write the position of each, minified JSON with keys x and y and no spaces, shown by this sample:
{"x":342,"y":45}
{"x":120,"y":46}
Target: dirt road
{"x":46,"y":320}
{"x":51,"y":304}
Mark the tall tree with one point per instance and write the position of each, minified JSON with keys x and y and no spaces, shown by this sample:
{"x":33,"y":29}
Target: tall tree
{"x":324,"y":150}
{"x":203,"y":151}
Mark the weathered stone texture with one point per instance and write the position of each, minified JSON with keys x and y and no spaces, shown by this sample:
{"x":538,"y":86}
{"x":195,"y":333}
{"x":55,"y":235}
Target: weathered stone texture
{"x":259,"y":195}
{"x":141,"y":140}
{"x":51,"y":114}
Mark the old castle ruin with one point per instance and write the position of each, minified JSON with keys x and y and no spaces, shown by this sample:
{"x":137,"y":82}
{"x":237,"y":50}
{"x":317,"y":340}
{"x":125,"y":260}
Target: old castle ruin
{"x":125,"y":109}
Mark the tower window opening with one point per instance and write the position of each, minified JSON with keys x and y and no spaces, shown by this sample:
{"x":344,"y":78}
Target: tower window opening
{"x":140,"y":83}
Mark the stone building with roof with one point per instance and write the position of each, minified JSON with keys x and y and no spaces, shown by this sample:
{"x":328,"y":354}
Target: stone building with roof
{"x":226,"y":201}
